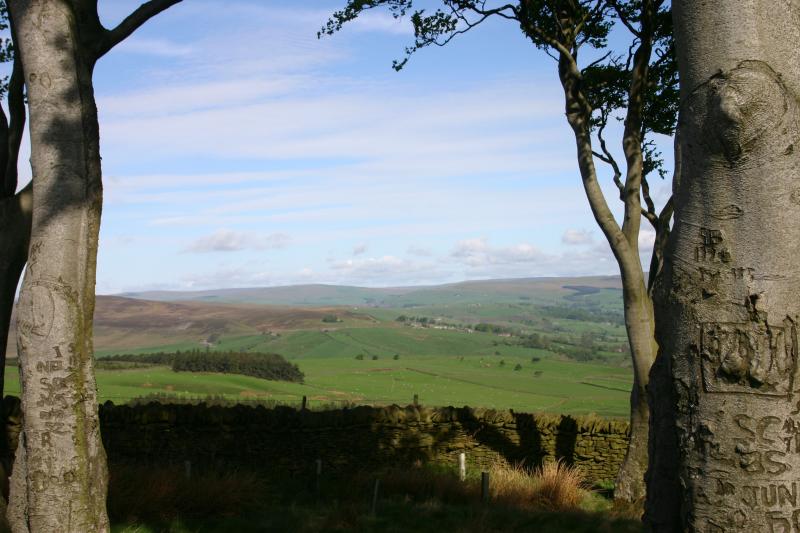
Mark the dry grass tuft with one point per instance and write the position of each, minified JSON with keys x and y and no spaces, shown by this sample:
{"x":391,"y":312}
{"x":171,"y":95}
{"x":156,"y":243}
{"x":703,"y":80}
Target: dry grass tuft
{"x":554,"y":486}
{"x":559,"y":486}
{"x":512,"y":485}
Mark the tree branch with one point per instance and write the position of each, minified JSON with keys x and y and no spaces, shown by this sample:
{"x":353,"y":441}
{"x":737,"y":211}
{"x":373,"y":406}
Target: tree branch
{"x":132,"y":22}
{"x":484,"y":14}
{"x":623,"y":18}
{"x":632,"y":136}
{"x":651,"y":208}
{"x":607,"y":158}
{"x":17,"y":117}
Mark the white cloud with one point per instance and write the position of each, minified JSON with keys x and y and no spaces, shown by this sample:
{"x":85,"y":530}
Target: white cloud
{"x":227,"y":277}
{"x":381,"y":22}
{"x":577,"y":237}
{"x":647,"y":237}
{"x":385,"y":270}
{"x":480,"y":259}
{"x":420,"y":251}
{"x":233,"y":241}
{"x":478,"y":253}
{"x":156,"y":47}
{"x":369,"y":124}
{"x":182,"y":98}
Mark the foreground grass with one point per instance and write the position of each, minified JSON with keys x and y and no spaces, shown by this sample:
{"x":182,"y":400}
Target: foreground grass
{"x":396,"y":516}
{"x":424,"y":499}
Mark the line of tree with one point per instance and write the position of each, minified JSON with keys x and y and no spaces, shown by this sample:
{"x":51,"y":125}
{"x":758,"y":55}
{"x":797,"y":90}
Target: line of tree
{"x":269,"y":366}
{"x":584,"y":315}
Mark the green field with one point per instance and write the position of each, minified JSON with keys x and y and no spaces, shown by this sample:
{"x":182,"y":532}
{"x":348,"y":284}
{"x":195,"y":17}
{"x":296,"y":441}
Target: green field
{"x":369,"y":357}
{"x":562,"y":386}
{"x":485,"y":373}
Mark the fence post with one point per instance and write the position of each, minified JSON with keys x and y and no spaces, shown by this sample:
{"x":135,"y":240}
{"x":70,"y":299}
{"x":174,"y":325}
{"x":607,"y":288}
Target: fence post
{"x":416,"y":400}
{"x":318,"y":478}
{"x":485,"y":487}
{"x":187,"y":469}
{"x":305,"y":404}
{"x":375,"y":496}
{"x":462,"y":466}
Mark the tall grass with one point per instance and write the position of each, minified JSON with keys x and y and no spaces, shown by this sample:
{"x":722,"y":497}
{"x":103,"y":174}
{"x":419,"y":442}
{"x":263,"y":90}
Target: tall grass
{"x":554,"y":486}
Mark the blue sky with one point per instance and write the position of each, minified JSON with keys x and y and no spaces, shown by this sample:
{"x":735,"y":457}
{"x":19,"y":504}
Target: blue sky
{"x":240,"y":150}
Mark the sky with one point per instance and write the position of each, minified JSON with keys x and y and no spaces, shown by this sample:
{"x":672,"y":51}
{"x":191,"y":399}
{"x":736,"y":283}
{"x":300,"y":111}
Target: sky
{"x":240,"y":150}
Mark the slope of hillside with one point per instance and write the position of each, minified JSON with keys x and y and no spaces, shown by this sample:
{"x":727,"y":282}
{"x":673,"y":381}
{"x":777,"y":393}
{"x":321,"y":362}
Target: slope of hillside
{"x":125,"y":323}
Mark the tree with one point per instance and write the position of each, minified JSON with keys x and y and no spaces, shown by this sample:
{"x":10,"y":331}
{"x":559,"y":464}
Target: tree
{"x":724,"y":448}
{"x":638,"y":86}
{"x":59,"y":478}
{"x":15,"y":207}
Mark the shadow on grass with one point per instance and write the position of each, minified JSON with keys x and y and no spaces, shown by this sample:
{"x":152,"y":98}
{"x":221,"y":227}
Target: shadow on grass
{"x":420,"y":500}
{"x":396,"y":516}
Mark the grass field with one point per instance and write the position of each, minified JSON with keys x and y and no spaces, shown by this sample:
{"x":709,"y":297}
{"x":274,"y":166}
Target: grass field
{"x":366,"y":355}
{"x":473,"y":379}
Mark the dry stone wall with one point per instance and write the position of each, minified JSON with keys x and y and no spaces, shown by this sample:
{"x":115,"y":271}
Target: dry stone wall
{"x":352,"y":439}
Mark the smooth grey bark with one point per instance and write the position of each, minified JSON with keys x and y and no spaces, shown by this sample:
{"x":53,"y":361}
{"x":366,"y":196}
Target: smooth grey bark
{"x":725,"y":433}
{"x":59,"y":480}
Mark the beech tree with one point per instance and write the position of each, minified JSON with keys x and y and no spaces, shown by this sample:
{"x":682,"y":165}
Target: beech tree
{"x":15,"y":207}
{"x":725,"y":448}
{"x":59,"y":479}
{"x":637,"y":86}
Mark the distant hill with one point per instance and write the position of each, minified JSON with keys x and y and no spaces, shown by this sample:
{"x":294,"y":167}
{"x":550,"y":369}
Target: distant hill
{"x":127,"y":323}
{"x":537,"y":290}
{"x":190,"y":318}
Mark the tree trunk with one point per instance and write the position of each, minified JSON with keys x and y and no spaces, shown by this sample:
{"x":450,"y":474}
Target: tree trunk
{"x":725,"y":437}
{"x":15,"y":228}
{"x":60,"y":475}
{"x":630,"y":484}
{"x":638,"y":306}
{"x":15,"y":223}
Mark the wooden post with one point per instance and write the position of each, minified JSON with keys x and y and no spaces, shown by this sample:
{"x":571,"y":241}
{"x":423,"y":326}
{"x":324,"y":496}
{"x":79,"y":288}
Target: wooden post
{"x":485,"y":487}
{"x":318,"y":478}
{"x":375,"y":496}
{"x":187,"y":469}
{"x":462,"y":466}
{"x":305,"y":404}
{"x":416,"y":400}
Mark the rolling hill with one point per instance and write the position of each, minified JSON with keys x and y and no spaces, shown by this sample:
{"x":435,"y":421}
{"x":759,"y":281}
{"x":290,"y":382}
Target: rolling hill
{"x":540,"y":290}
{"x":127,"y":324}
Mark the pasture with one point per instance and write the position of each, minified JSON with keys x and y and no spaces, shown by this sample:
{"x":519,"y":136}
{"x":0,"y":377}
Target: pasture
{"x":335,"y":376}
